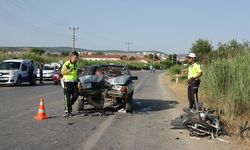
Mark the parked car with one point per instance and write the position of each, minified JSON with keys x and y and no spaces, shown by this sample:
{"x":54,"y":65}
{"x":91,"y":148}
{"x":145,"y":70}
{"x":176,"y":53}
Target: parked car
{"x":57,"y":77}
{"x":17,"y":71}
{"x":107,"y":85}
{"x":48,"y":71}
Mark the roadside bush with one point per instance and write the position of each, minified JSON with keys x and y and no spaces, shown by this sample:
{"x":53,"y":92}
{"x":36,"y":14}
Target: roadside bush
{"x":176,"y":69}
{"x":228,"y":82}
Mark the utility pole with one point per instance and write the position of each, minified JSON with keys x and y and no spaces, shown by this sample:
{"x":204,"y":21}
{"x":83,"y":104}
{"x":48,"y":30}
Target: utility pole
{"x":128,"y":43}
{"x":74,"y":37}
{"x":153,"y":60}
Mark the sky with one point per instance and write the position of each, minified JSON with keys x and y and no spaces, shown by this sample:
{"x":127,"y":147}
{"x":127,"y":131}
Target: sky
{"x":170,"y":26}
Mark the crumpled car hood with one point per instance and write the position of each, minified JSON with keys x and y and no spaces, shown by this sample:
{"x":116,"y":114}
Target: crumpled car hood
{"x":120,"y":80}
{"x":90,"y":78}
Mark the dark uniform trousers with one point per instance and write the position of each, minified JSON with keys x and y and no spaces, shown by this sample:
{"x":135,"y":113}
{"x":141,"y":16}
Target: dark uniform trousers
{"x":192,"y":90}
{"x":70,"y":95}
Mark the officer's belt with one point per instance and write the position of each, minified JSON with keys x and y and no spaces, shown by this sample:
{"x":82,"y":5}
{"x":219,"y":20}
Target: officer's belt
{"x":70,"y":80}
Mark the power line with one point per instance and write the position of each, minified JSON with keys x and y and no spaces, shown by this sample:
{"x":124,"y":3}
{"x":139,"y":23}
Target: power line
{"x":128,"y":43}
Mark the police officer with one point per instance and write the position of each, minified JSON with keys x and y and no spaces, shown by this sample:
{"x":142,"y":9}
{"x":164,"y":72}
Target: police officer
{"x":194,"y":73}
{"x":31,"y":72}
{"x":69,"y":72}
{"x":41,"y":73}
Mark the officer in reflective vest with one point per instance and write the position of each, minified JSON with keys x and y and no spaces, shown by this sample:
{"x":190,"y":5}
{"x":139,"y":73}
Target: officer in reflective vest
{"x":70,"y":77}
{"x":194,"y":73}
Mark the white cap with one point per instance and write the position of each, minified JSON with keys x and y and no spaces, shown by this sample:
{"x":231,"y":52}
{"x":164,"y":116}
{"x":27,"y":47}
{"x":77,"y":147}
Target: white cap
{"x":192,"y":55}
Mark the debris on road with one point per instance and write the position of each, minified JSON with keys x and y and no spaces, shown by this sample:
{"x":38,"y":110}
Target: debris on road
{"x":222,"y":140}
{"x":194,"y":138}
{"x":243,"y":131}
{"x":70,"y":123}
{"x":122,"y":111}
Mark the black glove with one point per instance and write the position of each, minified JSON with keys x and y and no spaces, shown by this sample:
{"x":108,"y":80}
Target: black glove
{"x":68,"y":67}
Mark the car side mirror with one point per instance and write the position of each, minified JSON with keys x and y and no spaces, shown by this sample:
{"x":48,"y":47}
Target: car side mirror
{"x":134,"y":77}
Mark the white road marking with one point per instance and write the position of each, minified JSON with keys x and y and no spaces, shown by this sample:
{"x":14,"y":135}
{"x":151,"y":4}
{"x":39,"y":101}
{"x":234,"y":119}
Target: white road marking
{"x":96,"y":134}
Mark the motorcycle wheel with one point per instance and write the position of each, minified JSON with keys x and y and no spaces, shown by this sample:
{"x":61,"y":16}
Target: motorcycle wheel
{"x":197,"y":127}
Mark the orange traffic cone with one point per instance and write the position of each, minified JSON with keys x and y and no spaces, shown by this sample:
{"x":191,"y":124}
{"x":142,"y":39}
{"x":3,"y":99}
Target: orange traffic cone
{"x":41,"y":111}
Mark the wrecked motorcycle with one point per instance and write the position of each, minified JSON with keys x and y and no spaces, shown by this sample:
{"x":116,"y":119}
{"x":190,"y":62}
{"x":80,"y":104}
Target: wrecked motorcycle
{"x":199,"y":123}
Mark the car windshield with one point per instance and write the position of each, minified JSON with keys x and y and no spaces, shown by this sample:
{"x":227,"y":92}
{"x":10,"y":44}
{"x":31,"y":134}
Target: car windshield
{"x":48,"y":68}
{"x":112,"y":71}
{"x":10,"y":65}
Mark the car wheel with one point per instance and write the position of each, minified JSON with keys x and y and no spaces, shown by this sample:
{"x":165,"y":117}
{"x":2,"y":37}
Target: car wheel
{"x":18,"y":81}
{"x":129,"y":104}
{"x":80,"y":105}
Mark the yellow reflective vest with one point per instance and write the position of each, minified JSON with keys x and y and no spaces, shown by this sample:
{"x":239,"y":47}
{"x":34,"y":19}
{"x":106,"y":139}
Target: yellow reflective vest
{"x":194,"y":70}
{"x":72,"y":76}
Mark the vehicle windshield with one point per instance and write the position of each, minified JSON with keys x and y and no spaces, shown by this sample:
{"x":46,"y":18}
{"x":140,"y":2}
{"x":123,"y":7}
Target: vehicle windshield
{"x":10,"y":65}
{"x":112,"y":71}
{"x":48,"y":68}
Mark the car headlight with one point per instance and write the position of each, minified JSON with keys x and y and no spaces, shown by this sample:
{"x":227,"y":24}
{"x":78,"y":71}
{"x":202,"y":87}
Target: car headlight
{"x":86,"y":86}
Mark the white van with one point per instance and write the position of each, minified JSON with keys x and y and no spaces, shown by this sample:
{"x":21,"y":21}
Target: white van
{"x":16,"y":71}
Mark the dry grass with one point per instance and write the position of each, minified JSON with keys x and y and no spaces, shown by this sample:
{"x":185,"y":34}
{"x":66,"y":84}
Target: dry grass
{"x":180,"y":89}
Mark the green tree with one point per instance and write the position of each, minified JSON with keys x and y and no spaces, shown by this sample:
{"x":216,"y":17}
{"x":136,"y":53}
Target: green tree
{"x":230,"y":49}
{"x":234,"y":45}
{"x":64,"y":53}
{"x":99,"y":53}
{"x":131,"y":58}
{"x":150,"y":56}
{"x":201,"y":48}
{"x":37,"y":51}
{"x":166,"y":64}
{"x":172,"y":58}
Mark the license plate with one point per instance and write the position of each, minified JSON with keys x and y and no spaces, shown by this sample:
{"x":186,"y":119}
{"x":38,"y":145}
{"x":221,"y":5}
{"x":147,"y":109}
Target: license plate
{"x":2,"y":78}
{"x":47,"y":75}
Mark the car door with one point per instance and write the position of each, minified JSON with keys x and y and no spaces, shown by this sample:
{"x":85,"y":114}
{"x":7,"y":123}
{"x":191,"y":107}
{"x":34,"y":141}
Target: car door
{"x":24,"y":71}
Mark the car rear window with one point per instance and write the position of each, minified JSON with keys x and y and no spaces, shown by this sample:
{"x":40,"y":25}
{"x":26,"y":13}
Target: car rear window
{"x":48,"y":68}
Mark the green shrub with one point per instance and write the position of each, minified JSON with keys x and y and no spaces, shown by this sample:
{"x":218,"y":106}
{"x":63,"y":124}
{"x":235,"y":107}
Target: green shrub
{"x":176,"y":69}
{"x":228,"y":81}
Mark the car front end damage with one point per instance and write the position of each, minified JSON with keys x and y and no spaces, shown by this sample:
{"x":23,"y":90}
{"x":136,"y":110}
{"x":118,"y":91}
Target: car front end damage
{"x":103,"y":91}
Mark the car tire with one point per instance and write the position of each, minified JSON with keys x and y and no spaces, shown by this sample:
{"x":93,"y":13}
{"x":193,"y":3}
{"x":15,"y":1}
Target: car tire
{"x":18,"y":81}
{"x":129,"y":104}
{"x":80,"y":105}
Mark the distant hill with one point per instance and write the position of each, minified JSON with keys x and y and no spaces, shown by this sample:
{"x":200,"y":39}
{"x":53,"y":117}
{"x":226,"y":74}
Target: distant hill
{"x":69,"y":49}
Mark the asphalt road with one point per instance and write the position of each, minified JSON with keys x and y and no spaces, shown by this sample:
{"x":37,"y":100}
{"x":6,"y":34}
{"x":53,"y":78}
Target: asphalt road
{"x":147,"y":128}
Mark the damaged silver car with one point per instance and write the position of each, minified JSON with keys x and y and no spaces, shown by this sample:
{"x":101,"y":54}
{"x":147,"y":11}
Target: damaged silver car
{"x":106,"y":86}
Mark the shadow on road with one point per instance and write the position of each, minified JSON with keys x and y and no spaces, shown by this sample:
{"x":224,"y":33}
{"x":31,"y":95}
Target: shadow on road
{"x":145,"y":105}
